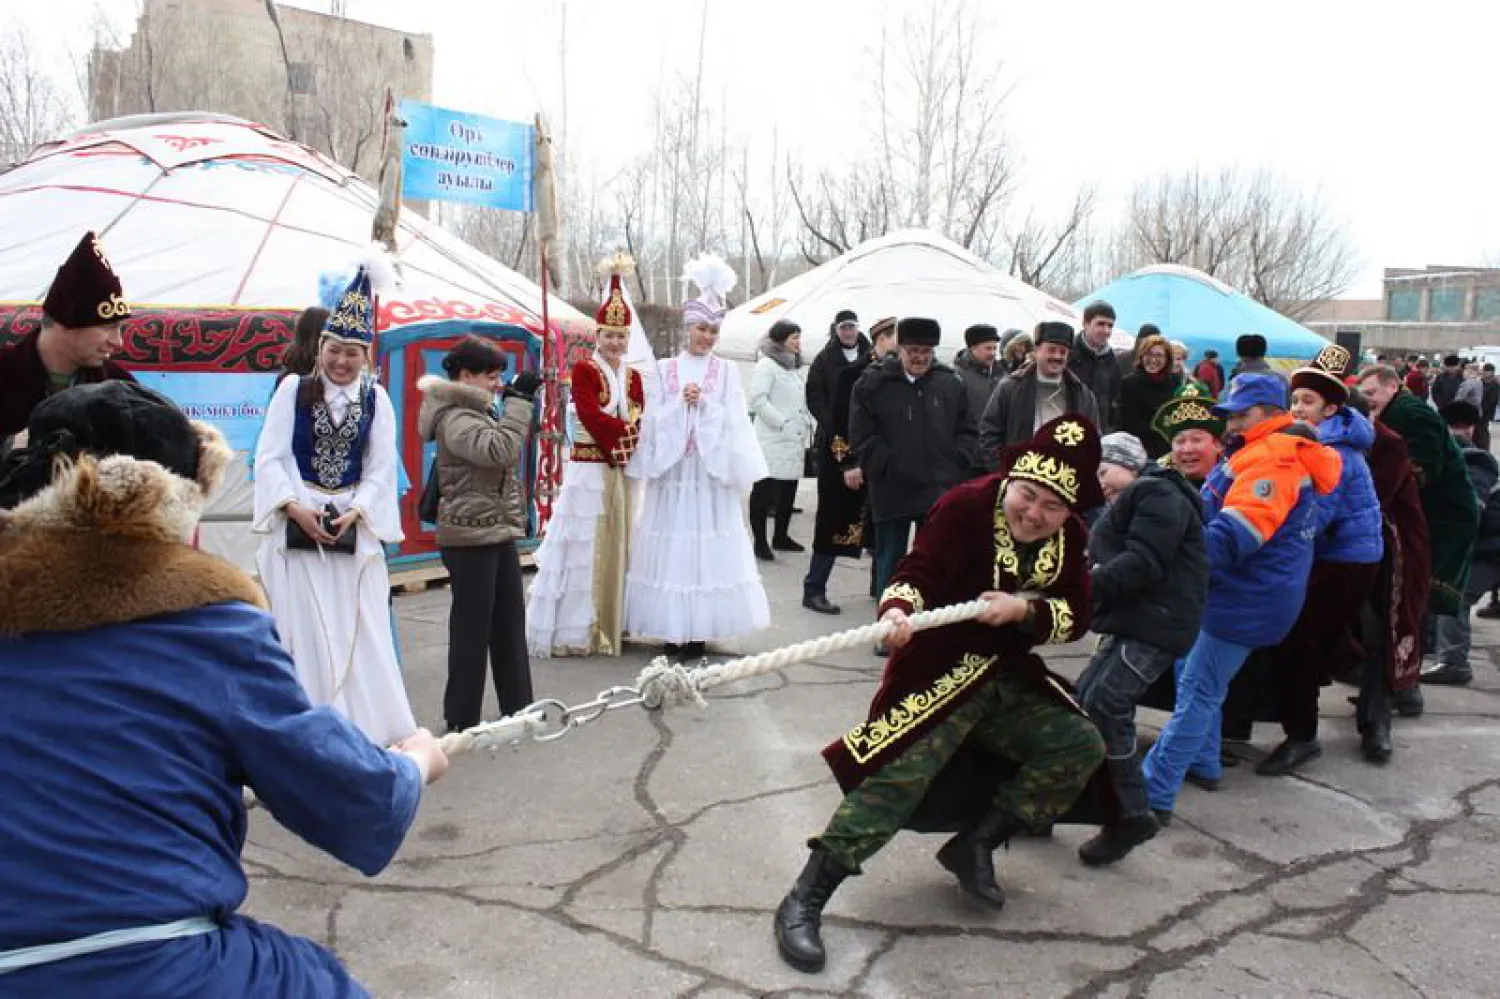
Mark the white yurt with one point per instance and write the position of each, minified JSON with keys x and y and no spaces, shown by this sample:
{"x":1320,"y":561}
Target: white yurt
{"x":220,"y":230}
{"x":909,"y":273}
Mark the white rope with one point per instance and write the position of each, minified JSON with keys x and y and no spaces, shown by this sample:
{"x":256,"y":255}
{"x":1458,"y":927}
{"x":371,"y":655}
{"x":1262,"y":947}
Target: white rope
{"x":664,"y":684}
{"x":489,"y":735}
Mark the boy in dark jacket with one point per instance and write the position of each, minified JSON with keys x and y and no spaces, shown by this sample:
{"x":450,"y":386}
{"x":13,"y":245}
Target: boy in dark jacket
{"x":1150,"y":579}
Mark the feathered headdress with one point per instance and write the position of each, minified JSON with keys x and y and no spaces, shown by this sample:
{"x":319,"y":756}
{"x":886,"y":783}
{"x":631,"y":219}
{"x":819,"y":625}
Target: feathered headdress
{"x":715,"y":279}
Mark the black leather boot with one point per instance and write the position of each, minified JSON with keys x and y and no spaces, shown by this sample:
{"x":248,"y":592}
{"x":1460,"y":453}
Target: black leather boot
{"x":782,"y":541}
{"x":799,"y":919}
{"x":970,"y":856}
{"x":1375,"y":741}
{"x":758,"y":531}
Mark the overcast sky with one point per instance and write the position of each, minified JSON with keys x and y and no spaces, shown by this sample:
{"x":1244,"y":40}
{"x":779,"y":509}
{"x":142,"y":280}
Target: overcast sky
{"x":1391,"y":116}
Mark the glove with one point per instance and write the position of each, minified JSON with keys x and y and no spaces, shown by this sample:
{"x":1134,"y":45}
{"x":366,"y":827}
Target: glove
{"x":524,"y":385}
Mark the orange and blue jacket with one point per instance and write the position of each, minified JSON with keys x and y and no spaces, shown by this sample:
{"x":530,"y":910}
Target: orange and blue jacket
{"x":1262,"y":512}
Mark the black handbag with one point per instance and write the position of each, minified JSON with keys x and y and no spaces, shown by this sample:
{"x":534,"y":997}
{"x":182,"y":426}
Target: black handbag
{"x":298,"y":541}
{"x":432,"y":493}
{"x":812,"y":463}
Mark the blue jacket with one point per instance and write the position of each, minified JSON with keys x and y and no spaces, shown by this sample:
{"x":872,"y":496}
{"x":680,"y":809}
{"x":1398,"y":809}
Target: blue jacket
{"x":1262,"y":505}
{"x":1350,"y":522}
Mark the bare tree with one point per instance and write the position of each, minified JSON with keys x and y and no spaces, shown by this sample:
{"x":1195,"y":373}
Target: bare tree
{"x":1252,"y":231}
{"x":33,"y":106}
{"x":1058,"y":258}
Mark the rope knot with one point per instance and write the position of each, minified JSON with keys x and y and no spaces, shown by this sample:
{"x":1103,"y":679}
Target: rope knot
{"x":665,"y":684}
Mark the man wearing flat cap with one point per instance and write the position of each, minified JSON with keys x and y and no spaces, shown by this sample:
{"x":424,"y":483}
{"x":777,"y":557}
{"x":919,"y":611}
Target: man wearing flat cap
{"x":1034,"y":394}
{"x":80,"y":331}
{"x":912,"y":434}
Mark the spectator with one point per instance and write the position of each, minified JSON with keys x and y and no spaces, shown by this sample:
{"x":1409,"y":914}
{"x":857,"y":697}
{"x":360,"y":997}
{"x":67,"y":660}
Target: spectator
{"x":1262,"y":509}
{"x":1016,"y":350}
{"x":1210,"y":372}
{"x":145,"y":689}
{"x":1094,"y":363}
{"x":782,"y":426}
{"x":1445,"y":386}
{"x":1035,"y":394}
{"x":1453,"y":633}
{"x":1179,"y":363}
{"x":325,"y":500}
{"x":846,"y":346}
{"x":1417,"y":381}
{"x":1150,"y":579}
{"x":301,"y":355}
{"x":1251,"y":352}
{"x":80,"y":332}
{"x":1127,"y":357}
{"x":1471,"y":389}
{"x":977,"y":366}
{"x":1346,"y":561}
{"x":1145,"y":390}
{"x":913,"y":436}
{"x":842,"y":526}
{"x":1489,"y":402}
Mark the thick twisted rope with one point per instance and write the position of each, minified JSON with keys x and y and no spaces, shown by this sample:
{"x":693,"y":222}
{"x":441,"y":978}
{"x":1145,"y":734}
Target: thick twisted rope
{"x":665,"y":684}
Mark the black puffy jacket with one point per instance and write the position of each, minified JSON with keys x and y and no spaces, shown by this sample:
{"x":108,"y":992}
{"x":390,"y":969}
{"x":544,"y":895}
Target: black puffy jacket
{"x":1150,"y":575}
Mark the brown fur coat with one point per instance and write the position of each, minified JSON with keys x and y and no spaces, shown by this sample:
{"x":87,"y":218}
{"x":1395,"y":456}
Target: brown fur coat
{"x":105,"y":544}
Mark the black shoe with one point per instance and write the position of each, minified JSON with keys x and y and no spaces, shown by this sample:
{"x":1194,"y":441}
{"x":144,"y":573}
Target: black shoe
{"x":1198,"y":780}
{"x":1289,"y":756}
{"x":1408,"y":703}
{"x":882,"y":652}
{"x":1114,"y":842}
{"x":970,"y":856}
{"x":799,"y":918}
{"x":782,"y":543}
{"x":1375,"y":743}
{"x":672,"y":651}
{"x":821,"y":604}
{"x":1490,"y":611}
{"x":691,"y":652}
{"x":797,"y":509}
{"x":1449,"y":675}
{"x":1163,"y":816}
{"x":763,"y":552}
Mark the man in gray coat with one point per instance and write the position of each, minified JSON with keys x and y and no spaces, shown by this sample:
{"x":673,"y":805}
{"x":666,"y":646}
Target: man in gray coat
{"x":979,"y":368}
{"x":1034,"y":394}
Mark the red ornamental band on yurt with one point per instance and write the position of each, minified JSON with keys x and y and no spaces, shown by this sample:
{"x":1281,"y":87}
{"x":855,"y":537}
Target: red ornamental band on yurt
{"x":222,"y":232}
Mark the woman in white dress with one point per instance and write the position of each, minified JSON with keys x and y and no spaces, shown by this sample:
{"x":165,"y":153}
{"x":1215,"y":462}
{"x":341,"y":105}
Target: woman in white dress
{"x":329,"y":441}
{"x":778,"y":401}
{"x":693,"y":576}
{"x":577,"y":601}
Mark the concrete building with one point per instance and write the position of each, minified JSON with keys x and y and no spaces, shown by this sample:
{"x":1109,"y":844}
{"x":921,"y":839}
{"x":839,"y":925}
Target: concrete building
{"x":1432,"y":310}
{"x":317,"y":78}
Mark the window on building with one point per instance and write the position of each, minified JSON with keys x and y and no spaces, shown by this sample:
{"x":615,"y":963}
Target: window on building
{"x":1404,"y":306}
{"x":302,"y":77}
{"x":1446,"y":305}
{"x":1487,"y":303}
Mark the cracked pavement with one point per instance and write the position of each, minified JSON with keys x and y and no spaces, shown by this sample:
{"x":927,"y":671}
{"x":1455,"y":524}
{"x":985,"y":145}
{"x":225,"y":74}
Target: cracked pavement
{"x":643,"y":855}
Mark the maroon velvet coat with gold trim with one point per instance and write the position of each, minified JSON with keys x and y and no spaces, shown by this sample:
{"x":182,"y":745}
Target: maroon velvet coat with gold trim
{"x":941,"y":668}
{"x":613,"y":440}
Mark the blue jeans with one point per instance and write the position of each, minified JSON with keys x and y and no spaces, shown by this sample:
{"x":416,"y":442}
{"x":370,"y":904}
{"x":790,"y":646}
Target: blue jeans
{"x":1190,"y":740}
{"x":1120,"y":672}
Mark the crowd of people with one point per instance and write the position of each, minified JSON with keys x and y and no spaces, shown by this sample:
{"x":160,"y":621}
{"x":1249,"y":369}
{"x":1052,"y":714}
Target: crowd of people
{"x":1236,"y":541}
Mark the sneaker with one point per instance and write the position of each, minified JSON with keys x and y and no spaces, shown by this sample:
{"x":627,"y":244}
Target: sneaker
{"x":1114,"y":842}
{"x":1449,"y":675}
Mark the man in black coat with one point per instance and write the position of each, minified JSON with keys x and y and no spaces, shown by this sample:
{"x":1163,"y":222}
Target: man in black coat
{"x":846,"y":346}
{"x":913,"y":435}
{"x":1034,"y":394}
{"x":1150,"y":581}
{"x":978,"y":364}
{"x":1445,"y":385}
{"x":80,"y":331}
{"x":1488,"y":403}
{"x":1094,"y":362}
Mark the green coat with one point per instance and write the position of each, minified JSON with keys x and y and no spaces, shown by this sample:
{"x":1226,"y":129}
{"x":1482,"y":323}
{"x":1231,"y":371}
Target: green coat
{"x":1447,"y":498}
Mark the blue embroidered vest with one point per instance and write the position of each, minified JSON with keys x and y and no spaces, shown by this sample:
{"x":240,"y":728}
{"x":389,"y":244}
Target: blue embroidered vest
{"x":331,"y":456}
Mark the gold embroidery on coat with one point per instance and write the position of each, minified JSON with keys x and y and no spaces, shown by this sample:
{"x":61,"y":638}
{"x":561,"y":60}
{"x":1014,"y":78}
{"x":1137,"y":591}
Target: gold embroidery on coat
{"x":904,"y":591}
{"x":865,"y":741}
{"x":1062,"y":621}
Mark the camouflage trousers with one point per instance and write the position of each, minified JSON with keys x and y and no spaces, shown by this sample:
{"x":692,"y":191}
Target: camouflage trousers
{"x":1058,"y":750}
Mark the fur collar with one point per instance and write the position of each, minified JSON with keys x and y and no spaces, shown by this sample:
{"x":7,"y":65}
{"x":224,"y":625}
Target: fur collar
{"x":446,"y":392}
{"x":103,"y":544}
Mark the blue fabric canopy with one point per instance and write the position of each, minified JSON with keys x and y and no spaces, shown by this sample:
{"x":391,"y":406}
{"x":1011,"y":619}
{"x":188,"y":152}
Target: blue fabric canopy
{"x":1203,"y":313}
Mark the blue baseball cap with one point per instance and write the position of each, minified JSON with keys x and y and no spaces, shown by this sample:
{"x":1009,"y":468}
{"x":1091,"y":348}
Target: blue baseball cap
{"x":1252,"y":389}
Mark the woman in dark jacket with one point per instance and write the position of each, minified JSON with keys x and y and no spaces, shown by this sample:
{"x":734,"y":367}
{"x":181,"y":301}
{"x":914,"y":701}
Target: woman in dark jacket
{"x":1145,"y":390}
{"x":481,"y":516}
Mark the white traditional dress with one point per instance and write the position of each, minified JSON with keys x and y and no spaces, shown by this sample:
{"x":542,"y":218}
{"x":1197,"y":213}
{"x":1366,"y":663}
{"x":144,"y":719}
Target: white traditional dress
{"x":693,"y":575}
{"x":577,"y":601}
{"x":333,"y":610}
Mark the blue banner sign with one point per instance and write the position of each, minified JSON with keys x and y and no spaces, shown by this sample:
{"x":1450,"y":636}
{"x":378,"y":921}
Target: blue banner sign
{"x":235,"y":403}
{"x":453,"y":156}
